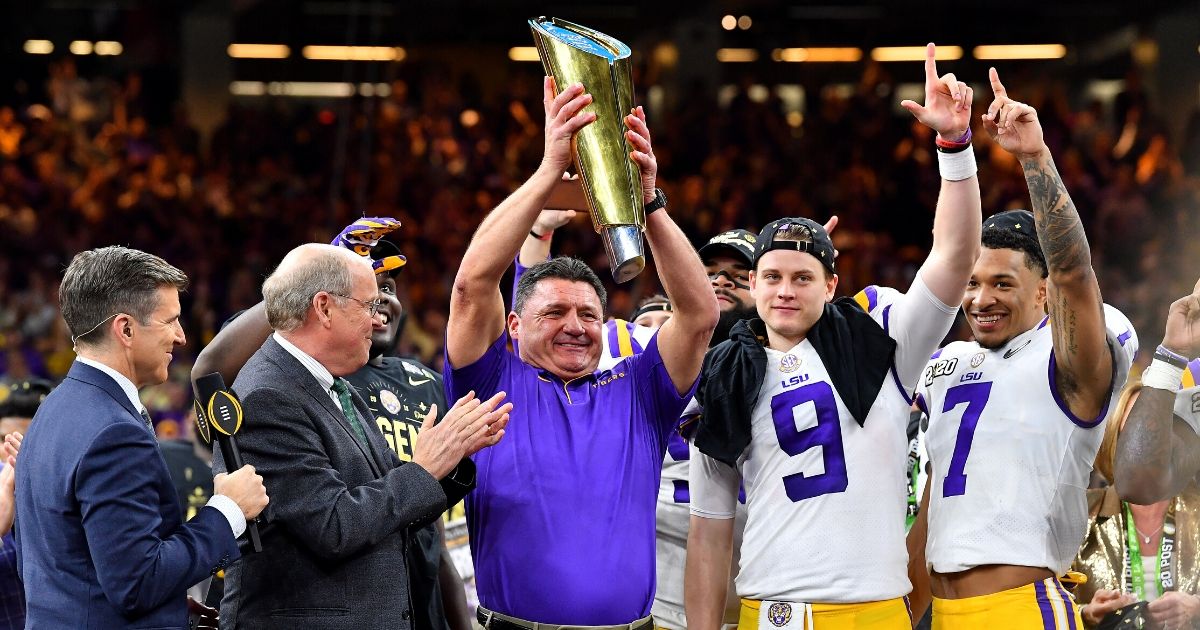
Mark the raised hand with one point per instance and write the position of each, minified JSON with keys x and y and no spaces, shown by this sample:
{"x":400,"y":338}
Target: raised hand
{"x":365,"y":233}
{"x":564,"y":117}
{"x":1012,"y":125}
{"x":1183,"y":325}
{"x":643,"y":154}
{"x":947,"y":108}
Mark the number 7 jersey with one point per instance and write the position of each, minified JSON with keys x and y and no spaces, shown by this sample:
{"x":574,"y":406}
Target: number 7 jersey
{"x":1011,"y":463}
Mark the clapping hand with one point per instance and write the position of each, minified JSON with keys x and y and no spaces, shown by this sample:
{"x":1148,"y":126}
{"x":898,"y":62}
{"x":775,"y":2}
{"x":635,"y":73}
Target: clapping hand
{"x":1183,"y":325}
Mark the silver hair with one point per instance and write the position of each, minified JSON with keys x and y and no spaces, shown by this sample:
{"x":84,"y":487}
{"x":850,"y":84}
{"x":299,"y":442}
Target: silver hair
{"x":101,"y":283}
{"x":289,"y":293}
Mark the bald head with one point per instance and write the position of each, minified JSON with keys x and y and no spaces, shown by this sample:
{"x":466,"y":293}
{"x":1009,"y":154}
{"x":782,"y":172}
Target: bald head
{"x":304,"y":272}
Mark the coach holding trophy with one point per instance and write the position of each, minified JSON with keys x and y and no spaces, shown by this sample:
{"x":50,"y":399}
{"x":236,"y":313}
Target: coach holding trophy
{"x":585,"y":447}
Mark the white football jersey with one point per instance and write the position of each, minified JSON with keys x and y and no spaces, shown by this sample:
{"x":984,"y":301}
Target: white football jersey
{"x":620,"y":339}
{"x":826,"y":498}
{"x":1187,"y":399}
{"x":1010,"y":461}
{"x":672,"y":519}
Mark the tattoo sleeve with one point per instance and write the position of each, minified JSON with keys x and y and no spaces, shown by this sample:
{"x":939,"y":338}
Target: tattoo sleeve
{"x":1074,"y":301}
{"x":1058,"y":226}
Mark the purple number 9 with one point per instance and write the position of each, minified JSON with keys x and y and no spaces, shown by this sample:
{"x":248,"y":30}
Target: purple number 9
{"x":827,"y":434}
{"x":976,"y":397}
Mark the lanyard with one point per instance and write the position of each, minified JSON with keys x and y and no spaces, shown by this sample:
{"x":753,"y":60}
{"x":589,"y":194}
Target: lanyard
{"x":1135,"y":581}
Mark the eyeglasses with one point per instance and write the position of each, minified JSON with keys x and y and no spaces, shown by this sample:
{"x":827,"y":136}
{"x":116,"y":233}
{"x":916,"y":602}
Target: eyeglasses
{"x":372,"y":306}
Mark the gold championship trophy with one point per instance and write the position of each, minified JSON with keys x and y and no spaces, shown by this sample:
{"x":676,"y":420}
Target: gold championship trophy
{"x":576,"y":54}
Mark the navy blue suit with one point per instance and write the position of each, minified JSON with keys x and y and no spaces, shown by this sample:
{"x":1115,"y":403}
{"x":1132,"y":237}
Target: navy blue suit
{"x":100,"y":538}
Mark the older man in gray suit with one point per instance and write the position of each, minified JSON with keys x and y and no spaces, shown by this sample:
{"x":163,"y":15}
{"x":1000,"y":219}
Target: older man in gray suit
{"x":342,"y":506}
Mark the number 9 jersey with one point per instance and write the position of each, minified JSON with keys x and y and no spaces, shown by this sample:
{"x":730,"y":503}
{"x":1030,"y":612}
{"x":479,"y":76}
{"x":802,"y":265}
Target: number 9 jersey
{"x":1011,"y":463}
{"x":826,"y":497}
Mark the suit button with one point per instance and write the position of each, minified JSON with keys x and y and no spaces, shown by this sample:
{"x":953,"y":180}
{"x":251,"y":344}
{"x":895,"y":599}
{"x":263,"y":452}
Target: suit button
{"x":406,"y":615}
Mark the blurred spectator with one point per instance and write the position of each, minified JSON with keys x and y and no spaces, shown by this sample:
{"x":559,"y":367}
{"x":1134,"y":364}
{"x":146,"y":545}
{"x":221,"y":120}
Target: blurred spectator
{"x":85,"y":165}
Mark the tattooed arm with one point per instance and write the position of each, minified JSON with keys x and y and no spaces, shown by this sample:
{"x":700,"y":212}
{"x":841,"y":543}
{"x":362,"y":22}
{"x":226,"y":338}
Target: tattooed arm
{"x":1083,"y":362}
{"x":1158,"y":453}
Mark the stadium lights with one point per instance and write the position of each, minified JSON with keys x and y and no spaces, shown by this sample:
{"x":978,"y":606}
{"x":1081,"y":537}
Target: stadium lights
{"x":39,"y":46}
{"x":915,"y":53}
{"x":258,"y":51}
{"x":736,"y":55}
{"x":109,"y":48}
{"x":523,"y":53}
{"x":308,"y":89}
{"x":80,"y":47}
{"x":729,"y":22}
{"x":353,"y":53}
{"x":798,"y":55}
{"x":1021,"y":51}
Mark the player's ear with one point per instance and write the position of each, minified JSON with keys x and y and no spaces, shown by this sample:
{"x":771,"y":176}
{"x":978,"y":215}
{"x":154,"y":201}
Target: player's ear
{"x":831,"y":282}
{"x":514,"y":325}
{"x":1041,"y":294}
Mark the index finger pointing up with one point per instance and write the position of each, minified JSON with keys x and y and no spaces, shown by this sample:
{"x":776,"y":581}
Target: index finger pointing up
{"x":931,"y":75}
{"x":997,"y":86}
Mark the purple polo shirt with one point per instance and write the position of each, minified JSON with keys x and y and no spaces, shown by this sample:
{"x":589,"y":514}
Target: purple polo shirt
{"x":562,"y":518}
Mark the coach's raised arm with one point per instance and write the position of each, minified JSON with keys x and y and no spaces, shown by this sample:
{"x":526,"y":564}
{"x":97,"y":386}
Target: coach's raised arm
{"x":584,"y":462}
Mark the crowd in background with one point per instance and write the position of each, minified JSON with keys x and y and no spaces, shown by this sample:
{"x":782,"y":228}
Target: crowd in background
{"x":83,"y":163}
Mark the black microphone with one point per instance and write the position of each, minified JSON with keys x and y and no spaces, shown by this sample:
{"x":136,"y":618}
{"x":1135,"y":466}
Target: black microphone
{"x":217,"y":408}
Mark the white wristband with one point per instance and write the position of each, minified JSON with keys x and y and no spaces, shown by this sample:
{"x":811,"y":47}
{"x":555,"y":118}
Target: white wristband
{"x":1162,"y":375}
{"x":956,"y":167}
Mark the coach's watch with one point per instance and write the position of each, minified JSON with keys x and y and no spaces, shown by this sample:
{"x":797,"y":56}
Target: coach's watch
{"x":658,"y":203}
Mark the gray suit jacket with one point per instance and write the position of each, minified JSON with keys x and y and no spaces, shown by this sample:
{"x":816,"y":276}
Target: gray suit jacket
{"x":335,"y":532}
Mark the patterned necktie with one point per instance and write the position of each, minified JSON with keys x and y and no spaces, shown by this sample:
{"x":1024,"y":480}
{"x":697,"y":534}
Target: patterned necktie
{"x":146,"y":420}
{"x":342,"y":389}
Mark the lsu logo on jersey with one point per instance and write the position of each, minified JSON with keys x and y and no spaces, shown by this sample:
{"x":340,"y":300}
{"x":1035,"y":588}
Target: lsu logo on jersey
{"x":779,"y":614}
{"x":944,"y":367}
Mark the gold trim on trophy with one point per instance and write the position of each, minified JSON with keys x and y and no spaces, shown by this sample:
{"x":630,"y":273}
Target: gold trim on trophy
{"x":571,"y":53}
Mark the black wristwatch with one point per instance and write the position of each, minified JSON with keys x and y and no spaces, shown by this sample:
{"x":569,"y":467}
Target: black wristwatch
{"x":658,"y":203}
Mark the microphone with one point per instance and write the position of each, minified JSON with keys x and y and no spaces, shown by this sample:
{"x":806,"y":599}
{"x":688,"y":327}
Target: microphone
{"x":217,"y":408}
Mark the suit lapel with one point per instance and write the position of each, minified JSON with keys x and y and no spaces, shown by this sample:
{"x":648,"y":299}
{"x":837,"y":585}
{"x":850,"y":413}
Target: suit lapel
{"x":374,"y":435}
{"x":87,"y":374}
{"x":309,"y":384}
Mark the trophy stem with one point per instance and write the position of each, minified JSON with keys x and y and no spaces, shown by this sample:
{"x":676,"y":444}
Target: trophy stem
{"x":625,"y":255}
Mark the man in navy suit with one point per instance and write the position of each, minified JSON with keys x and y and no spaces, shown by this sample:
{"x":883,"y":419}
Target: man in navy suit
{"x":101,"y":541}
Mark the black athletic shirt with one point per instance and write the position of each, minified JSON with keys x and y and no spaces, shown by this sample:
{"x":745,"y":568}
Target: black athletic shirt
{"x":399,"y":394}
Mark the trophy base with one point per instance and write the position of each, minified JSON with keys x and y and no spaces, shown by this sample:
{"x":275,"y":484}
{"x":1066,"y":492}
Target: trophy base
{"x":625,"y":255}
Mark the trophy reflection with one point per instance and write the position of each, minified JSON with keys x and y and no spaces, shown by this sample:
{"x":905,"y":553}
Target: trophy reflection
{"x":576,"y":54}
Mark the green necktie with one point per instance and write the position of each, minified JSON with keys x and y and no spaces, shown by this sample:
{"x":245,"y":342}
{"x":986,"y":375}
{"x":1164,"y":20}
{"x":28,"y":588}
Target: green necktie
{"x":342,"y":389}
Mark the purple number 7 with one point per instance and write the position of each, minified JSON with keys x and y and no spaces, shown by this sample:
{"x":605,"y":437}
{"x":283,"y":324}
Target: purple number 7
{"x":976,"y":397}
{"x":827,"y":434}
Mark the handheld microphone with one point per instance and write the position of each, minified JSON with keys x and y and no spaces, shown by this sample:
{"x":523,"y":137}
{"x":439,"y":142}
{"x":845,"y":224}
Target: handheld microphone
{"x":217,"y":408}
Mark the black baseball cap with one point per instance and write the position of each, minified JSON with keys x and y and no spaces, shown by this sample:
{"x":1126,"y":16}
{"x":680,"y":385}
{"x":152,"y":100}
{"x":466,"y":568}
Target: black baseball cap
{"x":1019,"y":221}
{"x":1019,"y":225}
{"x":818,"y":242}
{"x":736,"y":243}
